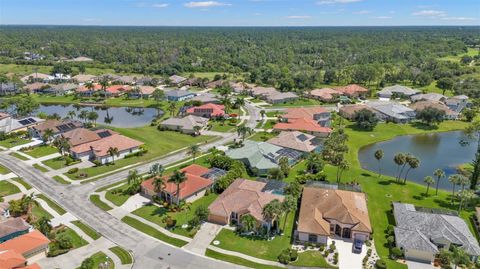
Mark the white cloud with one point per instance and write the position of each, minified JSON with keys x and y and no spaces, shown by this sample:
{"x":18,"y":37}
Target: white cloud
{"x":205,"y":4}
{"x":459,"y":19}
{"x":362,"y":12}
{"x":257,"y":14}
{"x":301,"y":17}
{"x":382,"y":17}
{"x":160,"y":5}
{"x":332,"y":2}
{"x":430,"y":13}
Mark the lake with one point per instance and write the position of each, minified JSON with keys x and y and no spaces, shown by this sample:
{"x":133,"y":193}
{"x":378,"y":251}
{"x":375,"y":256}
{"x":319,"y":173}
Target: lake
{"x":435,"y":150}
{"x":124,"y":117}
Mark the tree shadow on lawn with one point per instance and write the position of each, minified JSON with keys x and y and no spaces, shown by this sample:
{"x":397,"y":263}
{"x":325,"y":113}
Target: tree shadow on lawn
{"x":423,"y":126}
{"x":161,"y":211}
{"x":446,"y":203}
{"x":389,"y":182}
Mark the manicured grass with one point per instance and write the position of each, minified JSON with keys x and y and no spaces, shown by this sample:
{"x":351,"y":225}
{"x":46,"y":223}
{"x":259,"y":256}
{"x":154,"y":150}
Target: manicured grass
{"x":76,"y":239}
{"x":12,"y":142}
{"x":117,"y":195}
{"x":7,"y":188}
{"x":218,"y":126}
{"x":4,"y":170}
{"x":60,"y":180}
{"x":55,"y":163}
{"x":86,"y":229}
{"x":104,"y":188}
{"x":52,"y":204}
{"x":18,"y":156}
{"x":155,"y":214}
{"x":40,"y":151}
{"x":100,"y":258}
{"x":144,"y":228}
{"x":262,"y":136}
{"x":38,"y":211}
{"x":256,"y":247}
{"x":122,"y":254}
{"x":274,"y":113}
{"x":21,"y":181}
{"x":311,"y":258}
{"x":95,"y":199}
{"x":299,"y":102}
{"x":236,"y":260}
{"x":40,"y":168}
{"x":158,"y":143}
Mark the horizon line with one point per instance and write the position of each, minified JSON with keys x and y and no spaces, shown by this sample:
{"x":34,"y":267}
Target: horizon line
{"x":247,"y":26}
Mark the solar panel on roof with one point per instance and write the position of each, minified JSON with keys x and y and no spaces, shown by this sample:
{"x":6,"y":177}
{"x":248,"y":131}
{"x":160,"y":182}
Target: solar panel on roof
{"x":23,"y":122}
{"x":214,"y":173}
{"x":71,"y":125}
{"x":302,"y":137}
{"x":104,"y":134}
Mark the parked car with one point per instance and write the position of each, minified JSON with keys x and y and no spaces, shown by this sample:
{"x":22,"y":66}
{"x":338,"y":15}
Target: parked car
{"x":357,"y":246}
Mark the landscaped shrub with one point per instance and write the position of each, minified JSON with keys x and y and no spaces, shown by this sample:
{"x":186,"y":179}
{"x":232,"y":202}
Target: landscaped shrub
{"x":335,"y":258}
{"x":390,"y":230}
{"x":73,"y":170}
{"x":368,"y":243}
{"x":293,"y":255}
{"x":380,"y":264}
{"x":194,"y":222}
{"x":322,"y":248}
{"x":332,"y":247}
{"x":396,"y":253}
{"x":88,"y":263}
{"x":169,"y":221}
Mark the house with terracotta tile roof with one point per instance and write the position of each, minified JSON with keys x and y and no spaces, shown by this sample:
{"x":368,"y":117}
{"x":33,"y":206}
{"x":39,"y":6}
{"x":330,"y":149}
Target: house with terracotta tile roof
{"x":297,"y":141}
{"x":325,"y":94}
{"x":192,"y":189}
{"x":97,"y":150}
{"x":176,"y":80}
{"x":12,"y":228}
{"x":319,"y":114}
{"x":9,"y":259}
{"x":326,"y":212}
{"x":262,"y":92}
{"x":209,"y":110}
{"x":85,"y":91}
{"x":306,"y":125}
{"x":35,"y":87}
{"x":421,"y":105}
{"x":83,"y":78}
{"x":186,"y":125}
{"x":116,"y":90}
{"x":80,"y":136}
{"x":353,"y":90}
{"x":57,"y":127}
{"x":349,"y":111}
{"x":281,"y":97}
{"x":242,"y":197}
{"x":32,"y":245}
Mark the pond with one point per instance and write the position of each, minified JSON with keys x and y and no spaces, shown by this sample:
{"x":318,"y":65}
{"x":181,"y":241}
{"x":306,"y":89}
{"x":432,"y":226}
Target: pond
{"x":435,"y":151}
{"x":123,"y":117}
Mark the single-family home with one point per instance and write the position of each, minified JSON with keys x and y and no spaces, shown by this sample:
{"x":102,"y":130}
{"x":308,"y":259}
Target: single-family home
{"x":146,"y":91}
{"x":306,"y":125}
{"x":12,"y":228}
{"x":206,"y":98}
{"x":176,"y":80}
{"x":215,"y":84}
{"x":56,"y":126}
{"x":58,"y":89}
{"x":457,"y":103}
{"x":325,"y":94}
{"x":116,"y":90}
{"x":349,"y":111}
{"x":185,"y":125}
{"x":9,"y":124}
{"x":421,"y":105}
{"x":353,"y":90}
{"x":262,"y":92}
{"x":80,"y":136}
{"x":260,"y":157}
{"x":281,"y":97}
{"x":9,"y":259}
{"x":242,"y":197}
{"x":84,"y":78}
{"x":432,"y":97}
{"x":207,"y":111}
{"x":9,"y":88}
{"x":392,"y":111}
{"x":297,"y":141}
{"x":421,"y":233}
{"x":36,"y":77}
{"x":330,"y":212}
{"x":191,"y":189}
{"x":127,"y":80}
{"x":179,"y":95}
{"x":35,"y":87}
{"x":87,"y":92}
{"x":319,"y":114}
{"x":396,"y":90}
{"x":32,"y":246}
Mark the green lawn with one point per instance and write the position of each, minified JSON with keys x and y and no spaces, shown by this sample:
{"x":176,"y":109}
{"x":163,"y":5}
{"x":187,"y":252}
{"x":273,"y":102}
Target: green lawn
{"x":18,"y":156}
{"x":52,"y":204}
{"x":100,"y":258}
{"x":274,"y":113}
{"x":299,"y":102}
{"x":55,"y":163}
{"x":21,"y":181}
{"x":311,"y":258}
{"x":262,"y":136}
{"x":40,"y":168}
{"x":95,"y":199}
{"x":60,"y":180}
{"x":104,"y":188}
{"x":155,"y":214}
{"x":86,"y":229}
{"x":158,"y":143}
{"x":12,"y":142}
{"x":260,"y":248}
{"x":236,"y":260}
{"x":7,"y":188}
{"x":122,"y":254}
{"x":4,"y":170}
{"x":456,"y":58}
{"x":40,"y":151}
{"x":218,"y":126}
{"x":144,"y":228}
{"x":76,"y":239}
{"x":27,"y":69}
{"x":38,"y":211}
{"x":117,"y":195}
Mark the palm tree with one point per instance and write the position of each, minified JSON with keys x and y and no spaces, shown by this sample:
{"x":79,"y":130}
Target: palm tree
{"x":62,"y":144}
{"x":27,"y":202}
{"x":344,"y":165}
{"x":270,"y":213}
{"x":439,"y":173}
{"x":413,"y":163}
{"x":227,"y":103}
{"x":172,"y":108}
{"x":193,"y":151}
{"x":454,"y":180}
{"x":44,"y":225}
{"x":93,"y":116}
{"x":428,"y":180}
{"x":399,"y":159}
{"x":242,"y":131}
{"x":276,"y":174}
{"x":239,"y":102}
{"x":459,"y":256}
{"x":158,"y":96}
{"x":465,"y":197}
{"x":178,"y":178}
{"x":133,"y":177}
{"x":284,"y":165}
{"x":72,"y":114}
{"x":314,"y":163}
{"x":463,"y":181}
{"x":197,"y":129}
{"x":83,"y":115}
{"x":288,"y":205}
{"x":113,"y":151}
{"x":248,"y":222}
{"x":379,"y":155}
{"x":47,"y":135}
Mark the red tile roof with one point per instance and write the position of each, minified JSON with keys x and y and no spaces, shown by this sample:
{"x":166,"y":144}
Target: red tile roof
{"x":216,"y":110}
{"x":10,"y":259}
{"x":303,"y":112}
{"x":83,"y":88}
{"x":117,"y":89}
{"x":100,"y":147}
{"x":193,"y":184}
{"x":302,"y":124}
{"x":325,"y":93}
{"x":26,"y":242}
{"x":352,"y":90}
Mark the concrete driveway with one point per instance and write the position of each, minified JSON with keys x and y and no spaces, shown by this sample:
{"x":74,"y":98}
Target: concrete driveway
{"x":346,"y":258}
{"x":208,"y":231}
{"x":419,"y":265}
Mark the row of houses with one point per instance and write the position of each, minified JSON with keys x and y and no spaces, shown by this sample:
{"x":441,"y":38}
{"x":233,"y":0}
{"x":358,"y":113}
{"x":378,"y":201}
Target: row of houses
{"x":334,"y":94}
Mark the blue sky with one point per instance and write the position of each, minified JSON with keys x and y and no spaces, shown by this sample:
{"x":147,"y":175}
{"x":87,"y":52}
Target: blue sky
{"x":241,"y":12}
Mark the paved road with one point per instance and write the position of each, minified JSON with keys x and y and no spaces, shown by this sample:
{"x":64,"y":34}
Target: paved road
{"x":148,"y":252}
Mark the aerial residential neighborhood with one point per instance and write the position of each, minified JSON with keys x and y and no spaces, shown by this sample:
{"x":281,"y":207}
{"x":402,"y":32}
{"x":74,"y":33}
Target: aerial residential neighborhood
{"x":239,"y":134}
